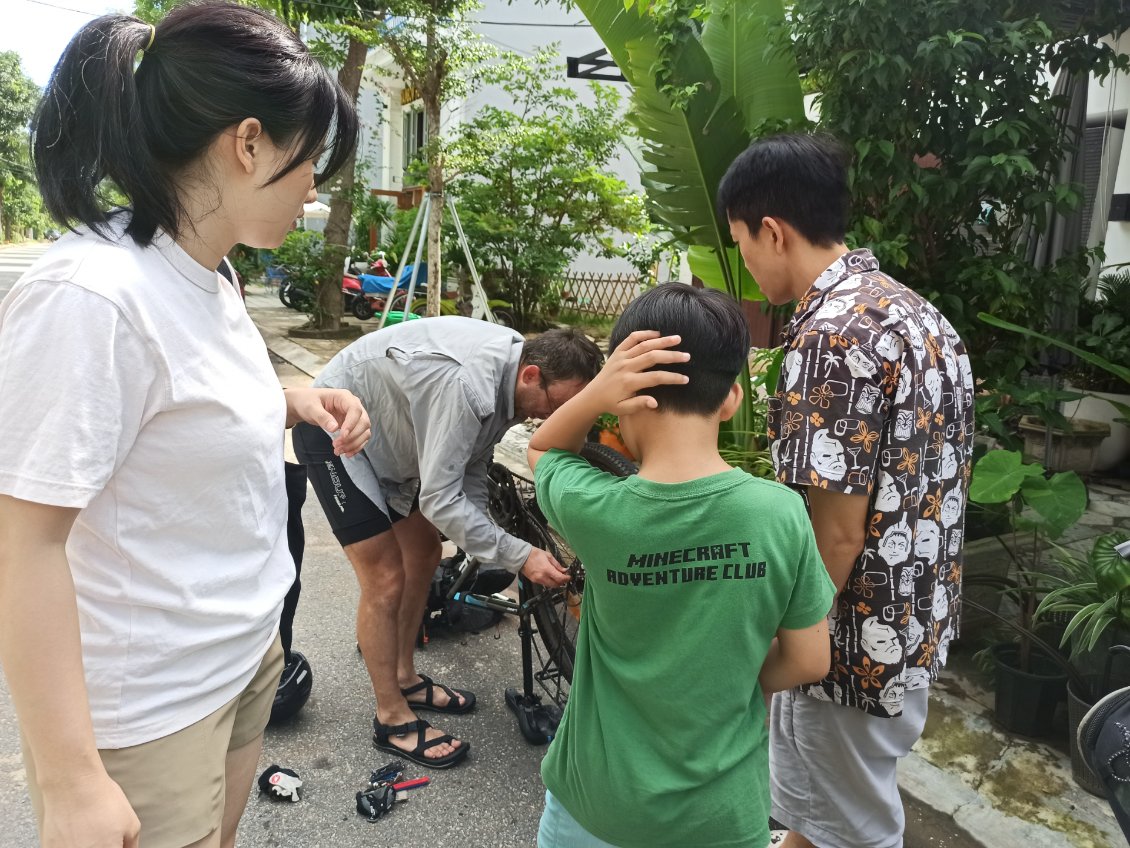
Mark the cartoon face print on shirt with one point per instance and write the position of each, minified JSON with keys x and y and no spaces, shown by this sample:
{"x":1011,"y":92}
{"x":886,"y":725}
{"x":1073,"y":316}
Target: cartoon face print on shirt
{"x":931,"y":325}
{"x":895,"y":315}
{"x":859,"y":364}
{"x":941,"y":602}
{"x":914,"y":633}
{"x":895,"y":544}
{"x":965,"y":368}
{"x":891,"y":697}
{"x":890,"y":347}
{"x":917,"y":343}
{"x":927,"y":540}
{"x":828,"y":456}
{"x":948,"y":470}
{"x":887,"y":496}
{"x":905,"y":382}
{"x":833,"y":307}
{"x":951,"y":508}
{"x":944,"y":644}
{"x":880,"y":641}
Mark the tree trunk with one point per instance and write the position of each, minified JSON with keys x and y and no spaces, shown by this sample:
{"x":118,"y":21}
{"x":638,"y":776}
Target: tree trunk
{"x":435,"y":211}
{"x":327,"y":309}
{"x":430,"y":93}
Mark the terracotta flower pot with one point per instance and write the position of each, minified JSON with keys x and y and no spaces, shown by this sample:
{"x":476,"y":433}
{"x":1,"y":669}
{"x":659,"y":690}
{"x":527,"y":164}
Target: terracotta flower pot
{"x":613,"y":440}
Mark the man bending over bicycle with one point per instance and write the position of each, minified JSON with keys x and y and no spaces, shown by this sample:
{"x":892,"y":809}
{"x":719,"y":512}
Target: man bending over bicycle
{"x":703,"y":589}
{"x":441,"y":392}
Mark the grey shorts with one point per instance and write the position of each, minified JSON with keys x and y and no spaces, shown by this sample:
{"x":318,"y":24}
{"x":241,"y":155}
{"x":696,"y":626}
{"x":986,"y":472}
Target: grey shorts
{"x":833,"y":769}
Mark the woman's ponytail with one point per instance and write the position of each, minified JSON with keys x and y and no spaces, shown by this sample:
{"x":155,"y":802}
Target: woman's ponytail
{"x":89,"y":127}
{"x":206,"y":67}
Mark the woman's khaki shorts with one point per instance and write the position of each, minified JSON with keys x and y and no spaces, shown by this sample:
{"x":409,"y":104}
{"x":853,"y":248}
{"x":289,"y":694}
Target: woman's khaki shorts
{"x":176,"y":783}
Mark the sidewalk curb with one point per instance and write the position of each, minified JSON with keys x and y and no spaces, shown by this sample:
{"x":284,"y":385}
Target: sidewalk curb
{"x":942,"y":791}
{"x":292,"y":353}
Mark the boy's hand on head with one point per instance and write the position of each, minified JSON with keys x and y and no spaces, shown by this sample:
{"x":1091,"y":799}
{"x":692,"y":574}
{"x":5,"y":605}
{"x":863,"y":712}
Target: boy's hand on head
{"x":612,"y":390}
{"x":626,"y":372}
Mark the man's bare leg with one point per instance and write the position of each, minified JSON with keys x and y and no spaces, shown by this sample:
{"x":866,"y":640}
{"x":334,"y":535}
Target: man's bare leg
{"x":377,"y":563}
{"x":420,"y":552}
{"x":795,"y":840}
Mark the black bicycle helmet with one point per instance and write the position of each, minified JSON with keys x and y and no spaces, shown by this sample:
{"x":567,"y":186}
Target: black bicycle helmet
{"x":294,"y":688}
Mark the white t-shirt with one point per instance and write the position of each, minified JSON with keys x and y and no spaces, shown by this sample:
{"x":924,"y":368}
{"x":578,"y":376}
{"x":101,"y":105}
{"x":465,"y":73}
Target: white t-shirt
{"x":134,"y":386}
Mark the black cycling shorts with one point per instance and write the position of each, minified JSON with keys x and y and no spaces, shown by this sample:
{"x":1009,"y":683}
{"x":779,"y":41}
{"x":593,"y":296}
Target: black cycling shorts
{"x":352,"y":516}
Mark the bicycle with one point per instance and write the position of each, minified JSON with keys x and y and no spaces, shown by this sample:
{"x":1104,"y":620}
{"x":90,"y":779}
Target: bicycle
{"x":552,"y":615}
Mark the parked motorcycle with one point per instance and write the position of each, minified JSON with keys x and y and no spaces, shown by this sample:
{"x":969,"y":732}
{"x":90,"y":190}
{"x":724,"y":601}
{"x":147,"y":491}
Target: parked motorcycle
{"x":301,"y":298}
{"x":373,"y":294}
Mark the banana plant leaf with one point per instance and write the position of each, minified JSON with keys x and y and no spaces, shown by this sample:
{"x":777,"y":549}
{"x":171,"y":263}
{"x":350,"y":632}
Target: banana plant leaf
{"x":704,"y":264}
{"x":617,"y":27}
{"x":686,"y":150}
{"x":759,"y":74}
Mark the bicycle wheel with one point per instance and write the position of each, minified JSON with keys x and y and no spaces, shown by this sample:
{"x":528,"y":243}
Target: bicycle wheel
{"x":557,"y":612}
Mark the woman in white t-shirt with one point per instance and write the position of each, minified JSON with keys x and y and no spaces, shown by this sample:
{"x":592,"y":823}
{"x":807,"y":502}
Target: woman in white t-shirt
{"x":143,"y":555}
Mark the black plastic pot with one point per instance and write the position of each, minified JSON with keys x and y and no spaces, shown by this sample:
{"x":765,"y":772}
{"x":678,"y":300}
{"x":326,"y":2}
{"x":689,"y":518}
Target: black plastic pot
{"x":1077,"y":707}
{"x":1026,"y":700}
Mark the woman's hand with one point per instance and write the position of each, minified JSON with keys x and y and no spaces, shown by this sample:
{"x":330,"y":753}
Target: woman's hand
{"x":337,"y":411}
{"x":91,"y":813}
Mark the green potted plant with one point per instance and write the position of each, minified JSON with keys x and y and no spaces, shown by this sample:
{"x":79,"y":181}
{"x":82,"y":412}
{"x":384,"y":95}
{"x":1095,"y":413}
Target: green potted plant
{"x":1094,"y":590}
{"x":1030,"y":673}
{"x":1097,"y":363}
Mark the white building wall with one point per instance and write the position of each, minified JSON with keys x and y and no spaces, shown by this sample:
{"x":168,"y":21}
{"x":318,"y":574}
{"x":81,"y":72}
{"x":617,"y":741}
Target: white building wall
{"x":1108,"y":101}
{"x":522,"y":27}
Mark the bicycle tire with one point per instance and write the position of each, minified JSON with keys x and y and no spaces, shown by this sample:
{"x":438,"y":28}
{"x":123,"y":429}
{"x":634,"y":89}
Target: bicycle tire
{"x":557,"y":613}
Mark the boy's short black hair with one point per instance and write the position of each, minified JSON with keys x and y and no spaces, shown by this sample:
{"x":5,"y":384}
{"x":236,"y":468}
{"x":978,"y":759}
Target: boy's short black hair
{"x":714,"y":332}
{"x":563,"y":354}
{"x":797,"y":177}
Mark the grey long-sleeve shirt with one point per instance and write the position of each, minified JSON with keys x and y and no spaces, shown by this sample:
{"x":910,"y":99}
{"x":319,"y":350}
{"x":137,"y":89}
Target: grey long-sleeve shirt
{"x":440,"y":395}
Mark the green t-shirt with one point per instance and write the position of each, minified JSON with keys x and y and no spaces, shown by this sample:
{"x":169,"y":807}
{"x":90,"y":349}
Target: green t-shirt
{"x":663,"y":742}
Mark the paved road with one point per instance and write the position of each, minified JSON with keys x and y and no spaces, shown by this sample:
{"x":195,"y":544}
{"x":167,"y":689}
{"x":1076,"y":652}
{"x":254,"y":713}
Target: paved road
{"x":14,"y":261}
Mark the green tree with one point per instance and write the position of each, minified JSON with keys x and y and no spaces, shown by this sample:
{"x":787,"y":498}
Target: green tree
{"x":434,"y":48}
{"x":437,"y":51}
{"x":957,"y":139}
{"x":533,"y":184}
{"x":18,"y":196}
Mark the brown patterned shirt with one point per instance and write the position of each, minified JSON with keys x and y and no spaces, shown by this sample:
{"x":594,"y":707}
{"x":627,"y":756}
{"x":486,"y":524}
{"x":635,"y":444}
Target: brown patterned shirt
{"x":876,"y":397}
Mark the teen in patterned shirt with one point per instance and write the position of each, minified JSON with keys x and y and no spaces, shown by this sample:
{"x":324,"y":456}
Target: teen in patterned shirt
{"x":873,"y":421}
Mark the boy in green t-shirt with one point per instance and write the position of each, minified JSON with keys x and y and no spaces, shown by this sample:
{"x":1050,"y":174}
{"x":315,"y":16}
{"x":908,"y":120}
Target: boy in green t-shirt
{"x":704,"y":592}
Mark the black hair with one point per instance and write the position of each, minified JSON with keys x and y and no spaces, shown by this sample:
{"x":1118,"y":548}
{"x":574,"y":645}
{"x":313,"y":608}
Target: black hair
{"x":714,"y":332}
{"x":206,"y":67}
{"x":563,"y":354}
{"x":797,"y":177}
